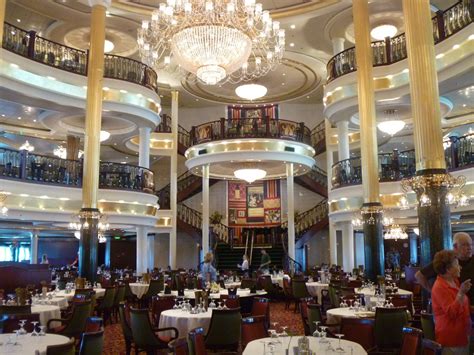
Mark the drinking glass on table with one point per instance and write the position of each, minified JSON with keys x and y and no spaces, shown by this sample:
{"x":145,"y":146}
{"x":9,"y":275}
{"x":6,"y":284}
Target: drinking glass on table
{"x":339,"y":348}
{"x":22,"y":330}
{"x":42,"y":330}
{"x":34,"y":332}
{"x":323,"y":339}
{"x":316,"y":332}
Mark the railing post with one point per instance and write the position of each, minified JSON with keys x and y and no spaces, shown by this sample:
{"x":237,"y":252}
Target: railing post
{"x":267,"y":126}
{"x":223,"y":128}
{"x":31,"y":44}
{"x":301,"y":132}
{"x":388,"y":50}
{"x":23,"y":162}
{"x":454,"y":152}
{"x":145,"y":76}
{"x":87,"y":62}
{"x":192,"y":136}
{"x":440,"y":22}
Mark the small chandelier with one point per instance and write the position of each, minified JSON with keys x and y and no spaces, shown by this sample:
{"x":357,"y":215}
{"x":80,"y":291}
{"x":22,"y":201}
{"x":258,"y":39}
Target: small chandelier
{"x":27,"y":146}
{"x":215,"y":41}
{"x":3,"y":197}
{"x":395,"y":232}
{"x":61,"y":152}
{"x":250,"y":174}
{"x":392,"y":125}
{"x":103,"y":226}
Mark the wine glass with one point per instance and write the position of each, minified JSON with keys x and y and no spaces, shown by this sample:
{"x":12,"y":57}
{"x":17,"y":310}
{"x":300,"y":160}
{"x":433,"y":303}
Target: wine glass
{"x":323,"y":339}
{"x":22,"y":330}
{"x":275,"y":325}
{"x":175,"y":304}
{"x":42,"y":330}
{"x":34,"y":332}
{"x":339,"y":348}
{"x":316,"y":332}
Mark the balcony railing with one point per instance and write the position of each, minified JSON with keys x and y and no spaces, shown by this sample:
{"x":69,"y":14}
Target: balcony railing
{"x":42,"y":169}
{"x":459,"y":153}
{"x":42,"y":50}
{"x":318,"y":175}
{"x":318,"y":138}
{"x":250,"y":128}
{"x":309,"y":218}
{"x":445,"y":24}
{"x":184,"y":181}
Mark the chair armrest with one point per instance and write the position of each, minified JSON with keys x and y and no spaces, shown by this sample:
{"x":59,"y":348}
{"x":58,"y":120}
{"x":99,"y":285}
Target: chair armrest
{"x":176,"y":332}
{"x":56,"y":320}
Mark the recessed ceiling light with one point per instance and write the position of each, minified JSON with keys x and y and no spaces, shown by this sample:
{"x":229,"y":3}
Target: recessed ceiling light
{"x":292,"y":27}
{"x":19,"y":117}
{"x":284,"y":74}
{"x":108,"y":46}
{"x":197,"y":99}
{"x":107,"y":13}
{"x":307,"y":97}
{"x":441,"y":55}
{"x":3,"y":115}
{"x":51,"y":77}
{"x":456,"y":46}
{"x":383,"y":31}
{"x":292,"y":44}
{"x":123,"y":91}
{"x":282,"y":83}
{"x":18,"y":20}
{"x":105,"y":88}
{"x":14,"y":65}
{"x":251,"y":91}
{"x":464,"y":105}
{"x":34,"y":120}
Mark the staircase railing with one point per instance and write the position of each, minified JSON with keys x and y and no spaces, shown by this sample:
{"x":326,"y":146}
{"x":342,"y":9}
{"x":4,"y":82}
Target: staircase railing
{"x":445,"y":24}
{"x":290,"y":264}
{"x":318,"y":138}
{"x":184,"y":180}
{"x":45,"y":51}
{"x":309,"y":218}
{"x":318,"y":175}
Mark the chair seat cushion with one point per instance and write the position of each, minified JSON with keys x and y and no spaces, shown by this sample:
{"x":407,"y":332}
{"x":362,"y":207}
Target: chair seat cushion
{"x":58,"y":329}
{"x":165,"y":339}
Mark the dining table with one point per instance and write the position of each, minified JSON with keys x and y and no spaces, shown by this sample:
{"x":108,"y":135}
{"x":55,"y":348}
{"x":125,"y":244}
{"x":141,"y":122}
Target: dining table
{"x":184,"y":321}
{"x":99,"y":292}
{"x":139,"y":289}
{"x":315,"y":289}
{"x":46,"y":312}
{"x":334,"y":315}
{"x":288,"y":345}
{"x":27,"y":345}
{"x":190,"y":294}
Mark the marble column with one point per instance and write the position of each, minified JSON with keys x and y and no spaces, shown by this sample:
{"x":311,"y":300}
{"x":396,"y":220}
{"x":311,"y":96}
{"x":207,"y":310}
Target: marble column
{"x":337,"y":45}
{"x":3,"y":5}
{"x":144,"y":147}
{"x":372,"y":208}
{"x":431,"y":174}
{"x":205,"y":209}
{"x":34,"y":248}
{"x":89,"y":213}
{"x":151,"y":251}
{"x":413,"y":239}
{"x":142,"y":253}
{"x":290,"y":189}
{"x":348,"y":246}
{"x":332,"y":243}
{"x":174,"y":180}
{"x":343,"y":140}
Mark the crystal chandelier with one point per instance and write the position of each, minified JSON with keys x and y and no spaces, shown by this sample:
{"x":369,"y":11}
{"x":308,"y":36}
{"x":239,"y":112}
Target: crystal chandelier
{"x":103,"y":226}
{"x":61,"y":152}
{"x":395,"y":232}
{"x":250,"y":174}
{"x":3,"y":197}
{"x":215,"y":41}
{"x":27,"y":146}
{"x":392,"y":124}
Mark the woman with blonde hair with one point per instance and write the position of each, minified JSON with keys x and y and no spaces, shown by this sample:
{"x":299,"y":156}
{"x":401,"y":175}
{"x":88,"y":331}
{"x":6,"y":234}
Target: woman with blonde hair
{"x":208,"y":272}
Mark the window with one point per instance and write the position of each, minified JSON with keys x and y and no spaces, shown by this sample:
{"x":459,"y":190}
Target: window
{"x":22,"y":254}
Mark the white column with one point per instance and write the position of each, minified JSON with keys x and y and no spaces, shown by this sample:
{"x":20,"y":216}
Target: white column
{"x":34,"y":248}
{"x":359,"y":249}
{"x":144,"y":147}
{"x":290,"y":189}
{"x":348,"y":246}
{"x":343,"y":140}
{"x":329,"y":152}
{"x":337,"y":45}
{"x":142,"y":245}
{"x":413,"y":248}
{"x":332,"y":244}
{"x":151,"y":251}
{"x":205,"y":209}
{"x":174,"y":180}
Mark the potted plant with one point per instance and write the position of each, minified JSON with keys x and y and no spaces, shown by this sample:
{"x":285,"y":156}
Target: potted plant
{"x":215,"y":217}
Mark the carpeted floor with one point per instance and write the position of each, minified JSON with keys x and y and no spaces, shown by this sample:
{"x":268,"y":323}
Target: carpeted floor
{"x":114,"y":343}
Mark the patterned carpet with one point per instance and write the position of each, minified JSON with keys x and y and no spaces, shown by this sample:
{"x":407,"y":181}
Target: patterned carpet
{"x":114,"y":343}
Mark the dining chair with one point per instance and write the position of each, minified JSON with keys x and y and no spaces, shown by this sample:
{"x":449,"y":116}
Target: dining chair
{"x":63,"y":349}
{"x":287,"y":292}
{"x":402,"y":301}
{"x":93,"y":324}
{"x":248,"y":283}
{"x":224,"y":330}
{"x":411,"y":341}
{"x":231,"y":301}
{"x":92,"y":343}
{"x":124,"y":316}
{"x":179,"y":346}
{"x":253,"y":328}
{"x":119,"y":297}
{"x":304,"y":314}
{"x":261,"y":307}
{"x":196,"y":342}
{"x":156,"y":286}
{"x":145,"y":336}
{"x":389,"y":323}
{"x":430,"y":347}
{"x":314,"y":315}
{"x":74,"y":325}
{"x":427,"y":325}
{"x":161,"y":304}
{"x":359,"y":330}
{"x":106,"y":304}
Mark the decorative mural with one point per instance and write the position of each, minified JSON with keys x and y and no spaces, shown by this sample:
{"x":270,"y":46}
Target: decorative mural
{"x":254,"y":205}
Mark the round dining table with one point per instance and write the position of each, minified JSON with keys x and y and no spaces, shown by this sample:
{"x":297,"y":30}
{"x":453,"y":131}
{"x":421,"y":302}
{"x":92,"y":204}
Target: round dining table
{"x":28,"y":345}
{"x":184,"y":321}
{"x":46,"y":312}
{"x":139,"y":289}
{"x":190,"y":294}
{"x":334,"y":315}
{"x":368,"y":291}
{"x":61,"y":302}
{"x":99,"y":292}
{"x":315,"y":288}
{"x":288,"y":345}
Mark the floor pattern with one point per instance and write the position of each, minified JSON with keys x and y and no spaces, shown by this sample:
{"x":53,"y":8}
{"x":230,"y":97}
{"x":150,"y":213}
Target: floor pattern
{"x":114,"y":343}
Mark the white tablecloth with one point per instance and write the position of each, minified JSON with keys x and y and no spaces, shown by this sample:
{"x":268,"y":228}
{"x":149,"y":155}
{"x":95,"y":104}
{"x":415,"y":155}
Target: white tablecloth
{"x":139,"y":289}
{"x":315,"y":288}
{"x":334,"y":315}
{"x":99,"y":292}
{"x":61,"y":302}
{"x":46,"y":312}
{"x":189,"y":294}
{"x":371,"y":292}
{"x":257,"y":347}
{"x":232,"y":284}
{"x":28,"y":344}
{"x":184,"y":321}
{"x":278,"y":280}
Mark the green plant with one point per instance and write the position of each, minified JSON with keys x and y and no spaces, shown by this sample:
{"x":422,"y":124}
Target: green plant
{"x":216,"y":217}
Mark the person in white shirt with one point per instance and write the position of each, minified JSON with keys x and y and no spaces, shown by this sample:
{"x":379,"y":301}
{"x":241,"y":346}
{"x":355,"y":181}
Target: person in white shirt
{"x":245,"y":264}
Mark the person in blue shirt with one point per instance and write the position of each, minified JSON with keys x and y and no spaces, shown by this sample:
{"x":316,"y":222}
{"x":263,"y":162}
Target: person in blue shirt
{"x":208,"y":272}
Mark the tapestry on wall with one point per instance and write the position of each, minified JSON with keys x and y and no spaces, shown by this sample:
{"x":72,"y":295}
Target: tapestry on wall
{"x":256,"y":204}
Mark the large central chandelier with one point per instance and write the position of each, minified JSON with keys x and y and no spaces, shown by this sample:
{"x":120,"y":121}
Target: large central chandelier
{"x":250,"y":174}
{"x":395,"y":232}
{"x":216,"y":41}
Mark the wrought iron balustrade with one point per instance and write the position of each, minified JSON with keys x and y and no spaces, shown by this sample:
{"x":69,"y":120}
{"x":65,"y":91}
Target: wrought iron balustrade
{"x":194,"y":219}
{"x":45,"y":51}
{"x":318,"y":138}
{"x":445,"y":24}
{"x":250,"y":128}
{"x":309,"y":218}
{"x":37,"y":168}
{"x":318,"y":175}
{"x":184,"y":181}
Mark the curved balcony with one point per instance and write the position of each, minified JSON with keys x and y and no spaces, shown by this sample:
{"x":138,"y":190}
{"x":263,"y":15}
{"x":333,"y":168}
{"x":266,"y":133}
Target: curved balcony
{"x":28,"y":44}
{"x":459,"y":154}
{"x":42,"y":169}
{"x":236,"y":128}
{"x":445,"y":24}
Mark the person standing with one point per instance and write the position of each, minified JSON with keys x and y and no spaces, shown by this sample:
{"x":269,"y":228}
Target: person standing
{"x":265,"y":262}
{"x":208,"y":271}
{"x":44,"y":259}
{"x":451,"y":305}
{"x":245,"y":264}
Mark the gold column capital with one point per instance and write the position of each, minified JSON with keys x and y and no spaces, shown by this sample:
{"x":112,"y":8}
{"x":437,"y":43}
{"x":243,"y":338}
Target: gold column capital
{"x":92,"y":3}
{"x":174,"y":95}
{"x":3,"y":5}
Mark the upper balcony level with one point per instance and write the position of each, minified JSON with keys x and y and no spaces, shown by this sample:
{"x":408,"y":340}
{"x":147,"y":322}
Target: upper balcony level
{"x":392,"y":50}
{"x":28,"y":44}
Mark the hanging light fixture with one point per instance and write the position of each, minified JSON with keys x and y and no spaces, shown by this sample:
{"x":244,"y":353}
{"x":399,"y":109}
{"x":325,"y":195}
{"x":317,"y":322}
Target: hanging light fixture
{"x":61,"y":152}
{"x":3,"y":197}
{"x":215,"y":41}
{"x":395,"y":232}
{"x":391,"y":124}
{"x":251,"y":91}
{"x":383,"y":31}
{"x":103,"y":226}
{"x":27,"y":146}
{"x":250,"y":174}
